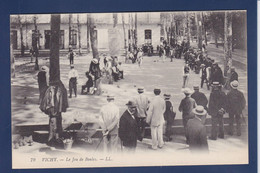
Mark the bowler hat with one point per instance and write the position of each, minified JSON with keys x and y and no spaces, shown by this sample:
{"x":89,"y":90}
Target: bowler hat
{"x":157,"y":89}
{"x":131,"y":103}
{"x":234,"y":84}
{"x":199,"y":110}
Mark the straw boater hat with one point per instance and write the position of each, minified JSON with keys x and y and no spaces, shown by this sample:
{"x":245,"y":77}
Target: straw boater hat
{"x":95,"y":61}
{"x":131,"y":103}
{"x":44,"y":68}
{"x":167,"y":96}
{"x":202,"y":65}
{"x":110,"y":97}
{"x":199,"y":110}
{"x":234,"y":84}
{"x":187,"y":91}
{"x":215,"y":84}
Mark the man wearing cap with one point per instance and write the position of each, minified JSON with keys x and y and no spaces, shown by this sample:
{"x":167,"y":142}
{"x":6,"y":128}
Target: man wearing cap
{"x":128,"y":128}
{"x":204,"y":74}
{"x":199,"y":97}
{"x":169,"y":116}
{"x":109,"y":123}
{"x":155,"y":119}
{"x":196,"y":131}
{"x":73,"y":77}
{"x":235,"y":104}
{"x":95,"y":71}
{"x":71,"y":55}
{"x":234,"y":75}
{"x":217,"y":107}
{"x":186,"y":106}
{"x":142,"y":104}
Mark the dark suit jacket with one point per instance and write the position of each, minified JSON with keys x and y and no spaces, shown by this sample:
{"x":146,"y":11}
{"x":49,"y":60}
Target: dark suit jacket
{"x":200,"y":99}
{"x":128,"y":130}
{"x":197,"y":135}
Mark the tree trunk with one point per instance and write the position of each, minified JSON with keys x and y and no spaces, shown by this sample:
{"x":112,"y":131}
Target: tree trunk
{"x":204,"y":29}
{"x":188,"y":27}
{"x":125,"y":41}
{"x":130,"y":33}
{"x":79,"y":34}
{"x":35,"y":44}
{"x":12,"y":62}
{"x":135,"y":30}
{"x":228,"y":43}
{"x":88,"y":47}
{"x":93,"y":37}
{"x":55,"y":49}
{"x":115,"y":19}
{"x":70,"y":17}
{"x":21,"y":34}
{"x":199,"y":29}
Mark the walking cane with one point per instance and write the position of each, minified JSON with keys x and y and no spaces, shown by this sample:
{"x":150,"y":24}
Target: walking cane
{"x":243,"y":117}
{"x":100,"y":142}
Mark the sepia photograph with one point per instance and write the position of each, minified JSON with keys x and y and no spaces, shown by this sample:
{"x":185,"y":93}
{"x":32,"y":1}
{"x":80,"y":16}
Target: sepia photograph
{"x":131,"y":89}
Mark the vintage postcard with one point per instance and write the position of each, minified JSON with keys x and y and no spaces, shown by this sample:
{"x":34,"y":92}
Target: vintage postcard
{"x":129,"y":89}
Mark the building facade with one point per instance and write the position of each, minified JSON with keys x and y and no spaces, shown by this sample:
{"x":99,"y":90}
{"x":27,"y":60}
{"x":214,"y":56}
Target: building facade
{"x":74,"y":30}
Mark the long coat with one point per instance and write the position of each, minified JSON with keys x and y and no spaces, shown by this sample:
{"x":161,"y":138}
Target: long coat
{"x":128,"y":130}
{"x":235,"y":102}
{"x":197,"y":135}
{"x":217,"y":75}
{"x":217,"y":100}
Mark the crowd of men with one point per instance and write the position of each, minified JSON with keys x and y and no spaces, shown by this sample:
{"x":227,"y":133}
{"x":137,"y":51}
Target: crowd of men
{"x":158,"y":112}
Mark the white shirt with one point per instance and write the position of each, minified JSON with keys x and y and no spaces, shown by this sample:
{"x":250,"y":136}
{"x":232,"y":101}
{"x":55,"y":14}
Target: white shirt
{"x":109,"y":116}
{"x":73,"y":73}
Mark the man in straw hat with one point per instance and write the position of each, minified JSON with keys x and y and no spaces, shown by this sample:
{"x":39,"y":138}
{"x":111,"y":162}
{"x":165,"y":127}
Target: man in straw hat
{"x":94,"y":70}
{"x":196,"y":131}
{"x":109,"y":123}
{"x":155,"y":119}
{"x":142,"y":104}
{"x":186,"y":106}
{"x":235,"y":104}
{"x":43,"y":81}
{"x":217,"y":107}
{"x":128,"y":128}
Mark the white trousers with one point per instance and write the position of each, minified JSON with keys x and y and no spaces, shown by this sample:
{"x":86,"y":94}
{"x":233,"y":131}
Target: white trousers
{"x":157,"y":136}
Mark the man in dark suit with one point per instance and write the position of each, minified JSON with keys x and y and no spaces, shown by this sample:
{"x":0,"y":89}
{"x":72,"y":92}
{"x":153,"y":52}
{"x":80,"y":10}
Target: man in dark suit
{"x":199,"y":97}
{"x":217,"y":107}
{"x":196,"y":131}
{"x":128,"y":128}
{"x":235,"y":104}
{"x":186,"y":106}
